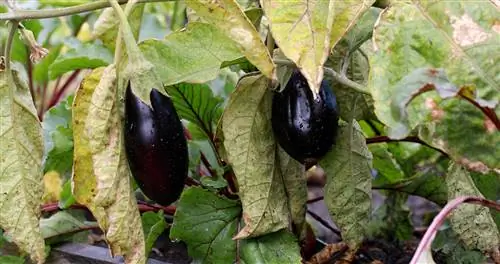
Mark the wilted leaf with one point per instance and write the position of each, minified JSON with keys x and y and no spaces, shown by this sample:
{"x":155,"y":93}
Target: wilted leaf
{"x":206,"y":222}
{"x":52,"y":186}
{"x":21,"y":145}
{"x":106,"y":25}
{"x":295,"y":182}
{"x":153,"y":225}
{"x":110,"y":197}
{"x":278,"y":247}
{"x":472,"y":223}
{"x":84,"y":56}
{"x":307,"y":30}
{"x":251,"y":150}
{"x":62,"y":223}
{"x":348,"y":187}
{"x":193,"y":55}
{"x":197,"y":104}
{"x":229,"y":18}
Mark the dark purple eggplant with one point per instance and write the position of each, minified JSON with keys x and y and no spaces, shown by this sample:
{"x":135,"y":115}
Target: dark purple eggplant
{"x":304,"y":126}
{"x":156,"y":148}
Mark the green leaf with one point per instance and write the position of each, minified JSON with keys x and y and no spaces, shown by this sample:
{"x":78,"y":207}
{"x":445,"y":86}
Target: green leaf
{"x":153,"y":225}
{"x":388,"y":169}
{"x":106,"y":25}
{"x":348,"y":189}
{"x":41,"y":69}
{"x":277,"y":247}
{"x":21,"y":145}
{"x":194,"y":55}
{"x":489,"y":186}
{"x":12,"y":260}
{"x":229,"y":18}
{"x":58,"y":137}
{"x":62,"y":223}
{"x":480,"y":154}
{"x":67,"y":199}
{"x":85,"y":56}
{"x":206,"y":222}
{"x":448,"y":246}
{"x":251,"y":149}
{"x":197,"y":104}
{"x":424,"y":184}
{"x":392,"y":219}
{"x":473,"y":223}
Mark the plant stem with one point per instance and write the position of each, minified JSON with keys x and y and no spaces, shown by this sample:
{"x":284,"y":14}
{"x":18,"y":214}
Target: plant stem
{"x":66,"y":11}
{"x":8,"y":45}
{"x":337,"y":76}
{"x":324,"y":223}
{"x":414,"y":139}
{"x":441,"y":217}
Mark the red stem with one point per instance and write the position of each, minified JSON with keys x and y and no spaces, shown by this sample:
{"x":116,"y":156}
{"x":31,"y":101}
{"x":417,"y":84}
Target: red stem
{"x":60,"y":92}
{"x":487,"y":111}
{"x":324,"y":223}
{"x":414,"y":139}
{"x":441,"y":217}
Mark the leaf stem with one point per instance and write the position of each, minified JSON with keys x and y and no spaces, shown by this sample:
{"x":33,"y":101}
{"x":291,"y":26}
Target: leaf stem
{"x":414,"y":139}
{"x":441,"y":217}
{"x":337,"y":76}
{"x":66,"y":11}
{"x":324,"y":223}
{"x":8,"y":45}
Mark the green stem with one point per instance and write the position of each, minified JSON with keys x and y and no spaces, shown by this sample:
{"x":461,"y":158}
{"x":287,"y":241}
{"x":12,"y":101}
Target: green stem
{"x":66,"y":11}
{"x":337,"y":76}
{"x":118,"y":46}
{"x":8,"y":45}
{"x":133,"y":50}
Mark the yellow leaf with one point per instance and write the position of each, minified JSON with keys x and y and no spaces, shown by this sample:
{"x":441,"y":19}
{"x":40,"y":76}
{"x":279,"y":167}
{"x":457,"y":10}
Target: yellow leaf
{"x":52,"y":186}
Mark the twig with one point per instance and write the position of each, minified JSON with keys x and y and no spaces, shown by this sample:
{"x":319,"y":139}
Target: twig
{"x":191,"y":182}
{"x":414,"y":139}
{"x":65,"y":11}
{"x":324,"y":223}
{"x":345,"y":81}
{"x":60,"y":92}
{"x":441,"y":217}
{"x":313,"y":200}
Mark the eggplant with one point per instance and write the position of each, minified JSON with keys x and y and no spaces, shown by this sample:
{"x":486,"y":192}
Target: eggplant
{"x":156,"y":147}
{"x":305,"y":126}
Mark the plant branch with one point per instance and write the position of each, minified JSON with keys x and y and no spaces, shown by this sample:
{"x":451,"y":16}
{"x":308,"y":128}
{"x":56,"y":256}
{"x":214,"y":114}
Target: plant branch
{"x":441,"y":217}
{"x":414,"y":139}
{"x":324,"y":223}
{"x":486,"y":111}
{"x":8,"y":45}
{"x":65,"y":11}
{"x":60,"y":92}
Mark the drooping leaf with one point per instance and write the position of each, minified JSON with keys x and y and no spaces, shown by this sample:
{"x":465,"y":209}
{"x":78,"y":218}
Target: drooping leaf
{"x":295,"y":183}
{"x":58,"y":137}
{"x":278,"y":247}
{"x":84,"y":56}
{"x":106,"y":25}
{"x":62,"y":223}
{"x":307,"y":30}
{"x":206,"y":222}
{"x":447,"y":36}
{"x":153,"y":225}
{"x":473,"y":223}
{"x":250,"y":146}
{"x":21,"y":145}
{"x":197,"y":104}
{"x":348,"y":187}
{"x":229,"y":18}
{"x":105,"y":185}
{"x":193,"y":55}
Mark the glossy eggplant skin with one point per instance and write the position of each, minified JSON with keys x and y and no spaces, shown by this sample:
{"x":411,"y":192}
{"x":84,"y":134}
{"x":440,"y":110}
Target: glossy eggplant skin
{"x":304,"y":126}
{"x":156,"y":148}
